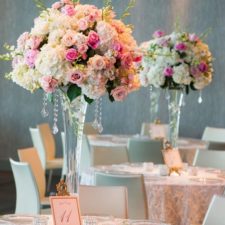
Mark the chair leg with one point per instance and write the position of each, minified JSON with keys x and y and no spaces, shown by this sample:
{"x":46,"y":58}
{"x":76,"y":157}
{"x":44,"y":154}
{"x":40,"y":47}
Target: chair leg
{"x":49,"y":180}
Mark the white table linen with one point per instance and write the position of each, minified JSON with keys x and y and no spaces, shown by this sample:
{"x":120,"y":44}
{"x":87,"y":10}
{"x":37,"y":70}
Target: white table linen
{"x":186,"y":146}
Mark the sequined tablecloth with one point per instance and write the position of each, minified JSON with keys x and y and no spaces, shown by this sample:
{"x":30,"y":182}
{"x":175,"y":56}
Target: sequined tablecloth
{"x":87,"y":220}
{"x":178,"y":200}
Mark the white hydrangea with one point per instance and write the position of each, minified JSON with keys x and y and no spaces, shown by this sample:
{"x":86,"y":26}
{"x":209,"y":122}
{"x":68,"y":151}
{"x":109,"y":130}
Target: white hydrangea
{"x":51,"y":61}
{"x":181,"y":74}
{"x":155,"y":76}
{"x":26,"y":77}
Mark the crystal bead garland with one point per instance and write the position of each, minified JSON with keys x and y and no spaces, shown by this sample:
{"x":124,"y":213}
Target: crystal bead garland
{"x":55,"y":128}
{"x":44,"y":111}
{"x":200,"y":100}
{"x":97,"y":123}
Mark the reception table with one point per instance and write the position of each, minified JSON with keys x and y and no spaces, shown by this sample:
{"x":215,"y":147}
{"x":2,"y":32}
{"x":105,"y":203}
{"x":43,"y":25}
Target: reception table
{"x":186,"y":146}
{"x":87,"y":220}
{"x":177,"y":200}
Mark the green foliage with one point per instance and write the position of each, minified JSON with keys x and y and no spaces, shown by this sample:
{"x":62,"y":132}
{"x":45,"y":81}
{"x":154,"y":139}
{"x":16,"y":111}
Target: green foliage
{"x":75,"y":1}
{"x":126,"y":12}
{"x":40,"y":4}
{"x":73,"y":92}
{"x":88,"y":100}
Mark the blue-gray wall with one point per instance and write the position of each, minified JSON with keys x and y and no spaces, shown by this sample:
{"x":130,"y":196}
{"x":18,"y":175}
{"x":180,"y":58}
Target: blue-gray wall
{"x":20,"y":110}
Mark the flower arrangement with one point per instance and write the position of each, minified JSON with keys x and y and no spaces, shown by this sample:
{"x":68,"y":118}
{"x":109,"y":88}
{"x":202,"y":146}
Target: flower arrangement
{"x":78,"y":48}
{"x":176,"y":61}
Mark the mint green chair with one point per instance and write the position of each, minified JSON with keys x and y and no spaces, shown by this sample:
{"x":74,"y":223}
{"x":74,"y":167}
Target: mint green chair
{"x":145,"y":150}
{"x":109,"y":155}
{"x":27,"y":194}
{"x":215,"y":214}
{"x":209,"y":158}
{"x":137,"y":200}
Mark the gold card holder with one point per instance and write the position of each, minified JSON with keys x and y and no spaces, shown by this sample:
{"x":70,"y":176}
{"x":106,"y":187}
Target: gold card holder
{"x":172,"y":158}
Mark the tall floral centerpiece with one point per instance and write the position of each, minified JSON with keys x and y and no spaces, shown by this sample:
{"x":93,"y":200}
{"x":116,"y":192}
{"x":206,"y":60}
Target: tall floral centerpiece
{"x":177,"y":62}
{"x":78,"y":52}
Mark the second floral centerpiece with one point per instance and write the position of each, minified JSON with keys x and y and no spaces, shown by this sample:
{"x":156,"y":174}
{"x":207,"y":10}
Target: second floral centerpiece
{"x":177,"y":62}
{"x":79,"y":52}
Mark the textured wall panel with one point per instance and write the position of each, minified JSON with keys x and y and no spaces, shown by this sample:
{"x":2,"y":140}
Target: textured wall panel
{"x":19,"y":109}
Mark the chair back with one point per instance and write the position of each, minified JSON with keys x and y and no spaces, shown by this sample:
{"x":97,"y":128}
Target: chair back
{"x":89,"y":129}
{"x":30,"y":156}
{"x":38,"y":144}
{"x":213,"y":134}
{"x":27,"y":195}
{"x":115,"y":205}
{"x":137,"y":200}
{"x":215,"y":213}
{"x":145,"y":150}
{"x":48,"y":140}
{"x":145,"y":127}
{"x":109,"y":155}
{"x":210,"y":158}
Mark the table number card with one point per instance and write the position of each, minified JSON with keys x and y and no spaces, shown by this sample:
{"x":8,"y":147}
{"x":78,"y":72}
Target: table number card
{"x":158,"y":131}
{"x":66,"y":210}
{"x":172,"y":158}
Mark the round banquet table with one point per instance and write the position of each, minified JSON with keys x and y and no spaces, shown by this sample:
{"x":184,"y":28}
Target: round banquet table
{"x":187,"y":146}
{"x":177,"y":200}
{"x":86,"y":220}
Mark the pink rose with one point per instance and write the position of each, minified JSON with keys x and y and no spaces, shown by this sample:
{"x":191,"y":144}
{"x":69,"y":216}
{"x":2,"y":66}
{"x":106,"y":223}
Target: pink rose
{"x":71,"y":54}
{"x":118,"y":48}
{"x":68,"y":39}
{"x":93,"y":40}
{"x":126,"y":60}
{"x":69,"y":10}
{"x":97,"y":62}
{"x":30,"y":57}
{"x":119,"y":93}
{"x":34,"y":42}
{"x":203,"y":67}
{"x":193,"y":37}
{"x":158,"y":34}
{"x":56,"y":5}
{"x":82,"y":48}
{"x":83,"y":24}
{"x":48,"y":83}
{"x":194,"y":71}
{"x":168,"y":71}
{"x":181,"y":47}
{"x":76,"y":77}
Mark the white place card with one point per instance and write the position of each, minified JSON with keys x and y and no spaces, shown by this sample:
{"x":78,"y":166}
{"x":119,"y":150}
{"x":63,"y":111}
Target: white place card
{"x":172,"y":158}
{"x":158,"y":131}
{"x":66,"y":210}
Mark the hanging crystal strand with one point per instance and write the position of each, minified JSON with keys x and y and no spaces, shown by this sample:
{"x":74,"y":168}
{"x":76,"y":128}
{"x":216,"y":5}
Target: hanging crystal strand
{"x":167,"y":94}
{"x":55,"y":128}
{"x":95,"y":122}
{"x":200,"y":97}
{"x":100,"y":127}
{"x":183,"y":99}
{"x":44,"y":111}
